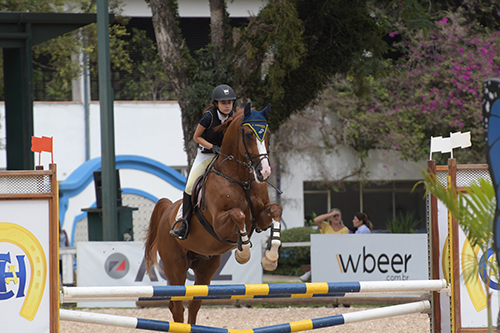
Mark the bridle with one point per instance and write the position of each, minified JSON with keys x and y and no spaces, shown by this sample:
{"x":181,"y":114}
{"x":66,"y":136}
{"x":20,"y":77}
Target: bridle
{"x":246,"y":185}
{"x":247,"y":155}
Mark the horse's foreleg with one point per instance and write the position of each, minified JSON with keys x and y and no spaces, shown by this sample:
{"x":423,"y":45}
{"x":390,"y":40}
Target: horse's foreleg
{"x":242,"y":253}
{"x":270,"y":259}
{"x":235,"y":216}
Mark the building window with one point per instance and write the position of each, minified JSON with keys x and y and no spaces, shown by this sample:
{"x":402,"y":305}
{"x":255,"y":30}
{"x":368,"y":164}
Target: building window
{"x":381,"y":201}
{"x":318,"y":202}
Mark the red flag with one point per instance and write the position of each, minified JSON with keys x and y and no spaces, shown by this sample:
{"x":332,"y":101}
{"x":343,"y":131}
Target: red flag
{"x":41,"y":144}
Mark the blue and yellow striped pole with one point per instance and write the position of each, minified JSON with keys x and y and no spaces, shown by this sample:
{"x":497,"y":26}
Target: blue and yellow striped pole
{"x":297,"y":326}
{"x":241,"y":291}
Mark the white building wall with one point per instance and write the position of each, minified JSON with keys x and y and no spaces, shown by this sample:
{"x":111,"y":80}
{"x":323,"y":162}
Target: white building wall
{"x":381,"y":165}
{"x":196,"y":8}
{"x":154,"y":130}
{"x":149,"y":129}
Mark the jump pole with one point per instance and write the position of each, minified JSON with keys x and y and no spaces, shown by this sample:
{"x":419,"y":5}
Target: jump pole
{"x":251,"y":290}
{"x":303,"y":325}
{"x":68,"y":299}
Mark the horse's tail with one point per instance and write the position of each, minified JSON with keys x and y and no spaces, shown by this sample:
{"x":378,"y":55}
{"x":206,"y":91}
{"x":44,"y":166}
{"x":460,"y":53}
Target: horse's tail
{"x":151,"y":247}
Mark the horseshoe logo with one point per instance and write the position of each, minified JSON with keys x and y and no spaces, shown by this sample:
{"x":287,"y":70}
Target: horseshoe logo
{"x":17,"y":235}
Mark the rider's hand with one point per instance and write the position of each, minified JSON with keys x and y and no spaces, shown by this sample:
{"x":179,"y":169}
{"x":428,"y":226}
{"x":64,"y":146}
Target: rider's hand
{"x":216,"y":149}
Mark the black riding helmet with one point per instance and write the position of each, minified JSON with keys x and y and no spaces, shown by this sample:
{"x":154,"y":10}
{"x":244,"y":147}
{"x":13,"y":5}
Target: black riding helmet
{"x":223,"y":92}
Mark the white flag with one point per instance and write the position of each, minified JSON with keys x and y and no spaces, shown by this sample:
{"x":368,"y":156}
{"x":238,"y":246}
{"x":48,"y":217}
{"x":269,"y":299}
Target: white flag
{"x":440,"y":145}
{"x":446,"y":145}
{"x":461,"y":140}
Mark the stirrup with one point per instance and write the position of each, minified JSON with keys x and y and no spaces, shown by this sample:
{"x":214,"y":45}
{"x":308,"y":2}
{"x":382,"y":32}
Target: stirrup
{"x":175,"y":233}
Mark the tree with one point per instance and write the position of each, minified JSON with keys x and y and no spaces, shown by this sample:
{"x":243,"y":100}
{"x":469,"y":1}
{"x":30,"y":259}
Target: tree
{"x":147,"y":81}
{"x":434,"y":89}
{"x":284,"y":56}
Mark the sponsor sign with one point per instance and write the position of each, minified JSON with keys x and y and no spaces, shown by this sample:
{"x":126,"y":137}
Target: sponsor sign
{"x":370,"y":257}
{"x":123,"y":264}
{"x":24,"y":266}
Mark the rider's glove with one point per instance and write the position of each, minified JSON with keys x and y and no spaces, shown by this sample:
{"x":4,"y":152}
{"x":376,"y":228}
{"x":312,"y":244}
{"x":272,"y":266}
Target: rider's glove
{"x":216,"y":149}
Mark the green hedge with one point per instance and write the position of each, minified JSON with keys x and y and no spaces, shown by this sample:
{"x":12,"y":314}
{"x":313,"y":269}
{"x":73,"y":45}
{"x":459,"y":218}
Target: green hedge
{"x":292,"y":257}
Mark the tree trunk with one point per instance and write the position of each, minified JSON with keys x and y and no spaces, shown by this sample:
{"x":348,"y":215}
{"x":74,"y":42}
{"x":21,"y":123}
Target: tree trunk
{"x":170,"y":44}
{"x":217,"y":27}
{"x":172,"y":49}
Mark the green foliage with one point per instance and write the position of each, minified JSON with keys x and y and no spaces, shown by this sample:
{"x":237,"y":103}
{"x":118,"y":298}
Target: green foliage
{"x":147,"y":81}
{"x":284,"y":43}
{"x":292,"y":257}
{"x":310,"y":222}
{"x":34,"y":6}
{"x":403,"y":223}
{"x":332,"y":32}
{"x":433,"y":90}
{"x":61,"y":68}
{"x":210,"y":71}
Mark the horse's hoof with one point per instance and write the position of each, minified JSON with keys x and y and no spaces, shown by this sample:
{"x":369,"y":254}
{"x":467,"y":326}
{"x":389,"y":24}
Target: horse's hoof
{"x":272,"y":254}
{"x":241,"y":259}
{"x":268,"y":265}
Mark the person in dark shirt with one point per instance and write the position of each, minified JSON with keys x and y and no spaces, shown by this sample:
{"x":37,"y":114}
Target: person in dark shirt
{"x":223,"y":98}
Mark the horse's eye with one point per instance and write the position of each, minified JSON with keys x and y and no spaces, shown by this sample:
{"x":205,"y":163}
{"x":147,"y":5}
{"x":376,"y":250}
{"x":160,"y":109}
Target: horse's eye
{"x":248,"y":136}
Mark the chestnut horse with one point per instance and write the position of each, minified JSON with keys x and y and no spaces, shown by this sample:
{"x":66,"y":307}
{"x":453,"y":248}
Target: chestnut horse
{"x":236,"y":204}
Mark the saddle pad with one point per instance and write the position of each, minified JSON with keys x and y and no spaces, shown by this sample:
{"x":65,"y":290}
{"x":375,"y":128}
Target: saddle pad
{"x":179,"y":213}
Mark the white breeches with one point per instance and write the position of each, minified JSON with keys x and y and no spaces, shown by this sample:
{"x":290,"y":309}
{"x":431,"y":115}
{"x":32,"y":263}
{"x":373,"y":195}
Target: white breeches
{"x":198,"y":169}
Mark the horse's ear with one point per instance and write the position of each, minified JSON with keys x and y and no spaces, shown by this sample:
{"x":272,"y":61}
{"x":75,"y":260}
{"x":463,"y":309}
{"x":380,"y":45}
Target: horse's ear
{"x":248,"y":109}
{"x":265,"y":112}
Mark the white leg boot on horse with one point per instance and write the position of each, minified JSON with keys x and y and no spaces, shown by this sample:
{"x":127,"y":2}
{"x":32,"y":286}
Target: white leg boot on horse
{"x":270,"y":259}
{"x":242,"y":255}
{"x":187,"y":209}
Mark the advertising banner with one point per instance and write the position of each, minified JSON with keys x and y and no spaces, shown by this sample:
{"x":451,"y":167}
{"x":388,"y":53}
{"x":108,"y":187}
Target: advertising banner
{"x":123,"y":264}
{"x":24,"y":266}
{"x":369,"y":257}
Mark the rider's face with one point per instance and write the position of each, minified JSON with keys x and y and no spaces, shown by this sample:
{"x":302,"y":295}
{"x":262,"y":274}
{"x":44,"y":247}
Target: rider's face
{"x":225,"y":106}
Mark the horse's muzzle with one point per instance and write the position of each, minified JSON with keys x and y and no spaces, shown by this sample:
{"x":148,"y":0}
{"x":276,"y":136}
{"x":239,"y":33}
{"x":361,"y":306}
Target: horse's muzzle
{"x":262,"y":172}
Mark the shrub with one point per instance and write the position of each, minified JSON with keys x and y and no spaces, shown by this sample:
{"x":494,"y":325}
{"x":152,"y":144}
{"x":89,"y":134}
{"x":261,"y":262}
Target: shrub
{"x":403,"y":224}
{"x":291,"y":258}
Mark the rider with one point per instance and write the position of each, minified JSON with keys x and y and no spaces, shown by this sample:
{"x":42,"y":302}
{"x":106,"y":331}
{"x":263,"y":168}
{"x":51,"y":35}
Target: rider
{"x":223,"y":98}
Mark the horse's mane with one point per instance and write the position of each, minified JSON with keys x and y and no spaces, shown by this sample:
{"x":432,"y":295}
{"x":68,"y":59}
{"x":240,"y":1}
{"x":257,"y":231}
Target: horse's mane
{"x":223,"y":127}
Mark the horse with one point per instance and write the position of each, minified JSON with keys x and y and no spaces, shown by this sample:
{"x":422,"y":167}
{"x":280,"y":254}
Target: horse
{"x":236,"y":203}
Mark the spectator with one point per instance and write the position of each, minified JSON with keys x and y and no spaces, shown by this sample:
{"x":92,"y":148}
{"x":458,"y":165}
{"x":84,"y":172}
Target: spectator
{"x":362,"y":224}
{"x":331,"y":223}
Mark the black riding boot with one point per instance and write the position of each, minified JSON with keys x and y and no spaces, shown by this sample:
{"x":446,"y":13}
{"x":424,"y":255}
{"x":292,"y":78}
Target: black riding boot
{"x":187,"y":210}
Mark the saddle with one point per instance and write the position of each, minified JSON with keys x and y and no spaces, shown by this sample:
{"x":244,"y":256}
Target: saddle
{"x":198,"y":197}
{"x":198,"y":192}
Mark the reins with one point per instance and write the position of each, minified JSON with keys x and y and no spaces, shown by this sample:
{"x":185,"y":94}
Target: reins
{"x":246,"y":185}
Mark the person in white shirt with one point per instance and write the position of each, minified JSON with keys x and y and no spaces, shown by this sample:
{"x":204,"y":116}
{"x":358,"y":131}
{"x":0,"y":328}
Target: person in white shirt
{"x":362,"y":224}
